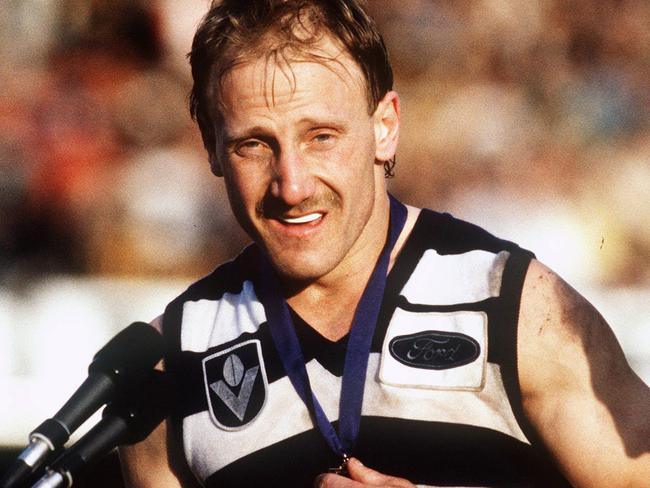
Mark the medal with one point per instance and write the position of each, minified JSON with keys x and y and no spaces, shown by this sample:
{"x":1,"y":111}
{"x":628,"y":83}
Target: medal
{"x":342,"y":469}
{"x":358,"y":348}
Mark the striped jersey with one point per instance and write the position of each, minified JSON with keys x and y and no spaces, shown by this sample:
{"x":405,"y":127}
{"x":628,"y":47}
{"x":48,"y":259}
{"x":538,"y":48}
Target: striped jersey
{"x":441,"y":404}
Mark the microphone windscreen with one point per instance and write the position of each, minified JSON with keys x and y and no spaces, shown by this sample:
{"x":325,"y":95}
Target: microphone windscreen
{"x":131,"y":354}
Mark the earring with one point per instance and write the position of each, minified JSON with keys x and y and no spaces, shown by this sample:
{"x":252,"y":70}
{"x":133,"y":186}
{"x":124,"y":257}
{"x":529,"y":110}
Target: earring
{"x":389,"y":167}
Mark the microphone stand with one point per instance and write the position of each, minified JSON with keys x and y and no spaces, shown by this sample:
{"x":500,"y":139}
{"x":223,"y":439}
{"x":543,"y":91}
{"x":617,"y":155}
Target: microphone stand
{"x":126,"y":421}
{"x":122,"y":363}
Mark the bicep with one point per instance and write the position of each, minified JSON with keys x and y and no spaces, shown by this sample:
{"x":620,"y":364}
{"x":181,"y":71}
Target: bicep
{"x":156,"y":462}
{"x":146,"y":464}
{"x":588,"y":406}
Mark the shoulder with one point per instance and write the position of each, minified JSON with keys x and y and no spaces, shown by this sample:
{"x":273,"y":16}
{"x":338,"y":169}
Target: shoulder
{"x":555,"y":318}
{"x":562,"y":337}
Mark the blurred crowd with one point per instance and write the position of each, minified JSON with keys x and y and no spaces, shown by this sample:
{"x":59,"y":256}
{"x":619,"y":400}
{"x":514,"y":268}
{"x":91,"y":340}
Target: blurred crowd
{"x":530,"y":112}
{"x":102,"y":171}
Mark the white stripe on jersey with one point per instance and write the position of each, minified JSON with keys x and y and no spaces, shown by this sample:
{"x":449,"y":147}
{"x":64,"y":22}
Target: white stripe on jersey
{"x":209,"y":323}
{"x":455,"y":278}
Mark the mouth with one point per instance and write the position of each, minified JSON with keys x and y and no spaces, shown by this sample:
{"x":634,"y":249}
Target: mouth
{"x":302,"y":219}
{"x":298,"y":226}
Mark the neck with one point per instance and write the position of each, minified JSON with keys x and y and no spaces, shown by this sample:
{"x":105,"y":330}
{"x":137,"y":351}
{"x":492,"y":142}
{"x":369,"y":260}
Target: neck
{"x":339,"y":291}
{"x":338,"y":299}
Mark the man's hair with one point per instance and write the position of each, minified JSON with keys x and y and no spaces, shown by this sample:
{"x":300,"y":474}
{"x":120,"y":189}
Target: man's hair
{"x":236,"y":31}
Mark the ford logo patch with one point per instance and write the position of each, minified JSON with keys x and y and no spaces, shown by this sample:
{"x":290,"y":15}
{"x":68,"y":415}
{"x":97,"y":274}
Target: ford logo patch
{"x":433,"y":349}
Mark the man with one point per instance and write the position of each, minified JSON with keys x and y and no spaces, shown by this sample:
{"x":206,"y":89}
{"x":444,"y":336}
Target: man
{"x":478,"y":367}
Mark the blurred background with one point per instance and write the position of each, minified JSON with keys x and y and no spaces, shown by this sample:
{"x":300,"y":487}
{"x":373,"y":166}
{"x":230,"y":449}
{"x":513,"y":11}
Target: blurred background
{"x":530,"y":118}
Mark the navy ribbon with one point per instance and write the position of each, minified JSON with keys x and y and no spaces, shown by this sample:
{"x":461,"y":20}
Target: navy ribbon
{"x":358,"y":348}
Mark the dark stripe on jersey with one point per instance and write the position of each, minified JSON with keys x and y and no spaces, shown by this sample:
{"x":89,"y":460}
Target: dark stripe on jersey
{"x":483,"y":305}
{"x":448,"y":235}
{"x":513,"y":279}
{"x":456,"y":455}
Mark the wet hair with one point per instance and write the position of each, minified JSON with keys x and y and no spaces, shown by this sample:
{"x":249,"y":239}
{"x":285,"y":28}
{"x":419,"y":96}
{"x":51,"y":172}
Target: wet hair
{"x":235,"y":31}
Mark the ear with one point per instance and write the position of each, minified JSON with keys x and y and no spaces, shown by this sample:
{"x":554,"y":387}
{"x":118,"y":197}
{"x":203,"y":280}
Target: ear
{"x":386,"y":121}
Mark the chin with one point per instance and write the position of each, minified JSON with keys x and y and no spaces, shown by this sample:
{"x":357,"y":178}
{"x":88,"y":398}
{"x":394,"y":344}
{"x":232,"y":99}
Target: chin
{"x":300,"y":269}
{"x":299,"y":272}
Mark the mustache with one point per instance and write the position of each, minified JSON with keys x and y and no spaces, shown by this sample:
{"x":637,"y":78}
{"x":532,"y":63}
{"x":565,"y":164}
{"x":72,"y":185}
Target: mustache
{"x":271,"y":206}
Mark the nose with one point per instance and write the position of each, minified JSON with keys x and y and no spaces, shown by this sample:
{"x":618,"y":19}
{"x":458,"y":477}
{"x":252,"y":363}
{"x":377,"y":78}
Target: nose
{"x":292,"y":181}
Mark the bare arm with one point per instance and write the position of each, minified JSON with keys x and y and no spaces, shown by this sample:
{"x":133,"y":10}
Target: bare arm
{"x":147,"y":465}
{"x":591,"y":410}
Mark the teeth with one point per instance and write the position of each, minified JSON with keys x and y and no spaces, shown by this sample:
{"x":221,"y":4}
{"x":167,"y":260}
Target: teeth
{"x":303,"y":219}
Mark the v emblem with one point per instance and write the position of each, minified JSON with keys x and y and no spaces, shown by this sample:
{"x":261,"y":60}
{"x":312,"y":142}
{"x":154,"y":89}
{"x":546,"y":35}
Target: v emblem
{"x":237,"y":403}
{"x":235,"y":384}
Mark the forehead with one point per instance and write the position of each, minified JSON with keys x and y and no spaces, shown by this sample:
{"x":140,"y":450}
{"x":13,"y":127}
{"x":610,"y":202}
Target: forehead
{"x":283,"y":77}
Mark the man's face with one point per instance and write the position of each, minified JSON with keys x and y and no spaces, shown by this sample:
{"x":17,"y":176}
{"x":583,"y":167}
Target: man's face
{"x":299,"y":161}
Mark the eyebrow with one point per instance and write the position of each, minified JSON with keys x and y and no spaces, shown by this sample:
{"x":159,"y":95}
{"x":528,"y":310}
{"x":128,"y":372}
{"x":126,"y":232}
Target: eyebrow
{"x":336,"y":124}
{"x":255,"y":131}
{"x":261,"y":132}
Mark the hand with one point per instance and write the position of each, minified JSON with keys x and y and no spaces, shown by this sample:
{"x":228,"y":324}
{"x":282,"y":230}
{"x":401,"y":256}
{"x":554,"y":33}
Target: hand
{"x":360,"y":476}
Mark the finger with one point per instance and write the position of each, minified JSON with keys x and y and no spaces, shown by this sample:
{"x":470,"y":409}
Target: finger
{"x":367,"y":476}
{"x":330,"y":480}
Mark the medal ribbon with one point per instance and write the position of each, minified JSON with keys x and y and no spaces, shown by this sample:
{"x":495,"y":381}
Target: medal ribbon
{"x":358,"y":348}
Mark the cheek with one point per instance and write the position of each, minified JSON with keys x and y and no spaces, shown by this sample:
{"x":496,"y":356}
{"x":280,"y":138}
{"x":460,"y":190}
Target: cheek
{"x":242,"y":204}
{"x":238,"y":195}
{"x":243,"y":184}
{"x":361,"y":164}
{"x":357,"y":157}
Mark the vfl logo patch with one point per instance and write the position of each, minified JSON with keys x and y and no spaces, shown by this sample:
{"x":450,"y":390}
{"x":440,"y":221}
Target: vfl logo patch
{"x":235,"y":384}
{"x":435,"y":349}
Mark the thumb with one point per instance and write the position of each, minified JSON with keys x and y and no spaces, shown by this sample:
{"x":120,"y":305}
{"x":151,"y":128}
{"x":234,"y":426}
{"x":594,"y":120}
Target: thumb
{"x":365,"y":475}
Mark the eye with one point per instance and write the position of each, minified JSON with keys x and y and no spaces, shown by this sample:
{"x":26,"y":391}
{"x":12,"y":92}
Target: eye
{"x":252,"y":148}
{"x":323,"y":140}
{"x":323,"y":137}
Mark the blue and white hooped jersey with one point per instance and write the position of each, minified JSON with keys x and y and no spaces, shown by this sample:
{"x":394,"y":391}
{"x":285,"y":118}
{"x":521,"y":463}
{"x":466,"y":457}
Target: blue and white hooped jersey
{"x":441,"y":402}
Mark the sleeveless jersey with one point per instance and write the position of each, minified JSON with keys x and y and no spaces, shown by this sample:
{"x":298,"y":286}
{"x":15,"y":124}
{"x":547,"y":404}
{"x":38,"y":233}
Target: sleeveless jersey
{"x":441,"y":405}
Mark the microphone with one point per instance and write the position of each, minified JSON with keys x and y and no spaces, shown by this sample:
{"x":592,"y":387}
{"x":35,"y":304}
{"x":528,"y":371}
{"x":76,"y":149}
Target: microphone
{"x":123,"y":362}
{"x":128,"y":420}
